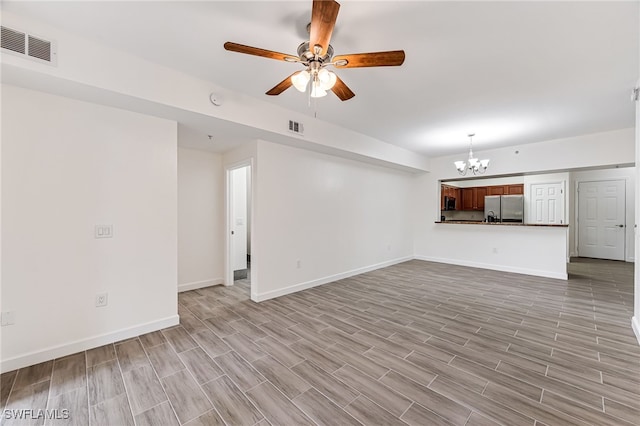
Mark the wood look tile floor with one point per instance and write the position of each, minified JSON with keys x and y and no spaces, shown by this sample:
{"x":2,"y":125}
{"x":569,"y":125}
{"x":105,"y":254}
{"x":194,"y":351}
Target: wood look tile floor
{"x":417,"y":343}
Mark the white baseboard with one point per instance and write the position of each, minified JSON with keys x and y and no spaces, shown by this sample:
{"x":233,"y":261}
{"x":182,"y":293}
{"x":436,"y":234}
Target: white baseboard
{"x":65,"y":349}
{"x":199,"y":284}
{"x":525,"y":271}
{"x":309,"y":284}
{"x":635,"y":324}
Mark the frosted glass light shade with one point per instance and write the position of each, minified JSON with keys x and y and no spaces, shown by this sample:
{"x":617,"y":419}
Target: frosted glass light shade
{"x":460,"y":165}
{"x":327,"y":79}
{"x":317,"y":91}
{"x":300,"y":80}
{"x":484,"y":163}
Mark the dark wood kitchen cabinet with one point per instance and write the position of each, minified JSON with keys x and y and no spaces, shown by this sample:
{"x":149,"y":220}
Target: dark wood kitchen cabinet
{"x":517,"y":189}
{"x":481,"y":192}
{"x":496,"y":190}
{"x":451,"y":192}
{"x":473,"y":198}
{"x":514,"y":189}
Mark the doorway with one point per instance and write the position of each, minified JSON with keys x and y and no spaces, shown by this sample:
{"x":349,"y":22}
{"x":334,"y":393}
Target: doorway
{"x":601,"y":219}
{"x":239,"y":200}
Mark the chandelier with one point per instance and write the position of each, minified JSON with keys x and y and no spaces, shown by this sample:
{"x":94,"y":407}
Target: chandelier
{"x":477,"y":167}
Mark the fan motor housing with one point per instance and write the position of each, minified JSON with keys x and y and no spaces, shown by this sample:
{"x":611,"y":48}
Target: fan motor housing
{"x":306,"y":55}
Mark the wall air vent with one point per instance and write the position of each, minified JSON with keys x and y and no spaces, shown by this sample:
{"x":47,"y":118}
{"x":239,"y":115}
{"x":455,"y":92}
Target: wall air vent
{"x":28,"y":46}
{"x":296,"y":127}
{"x":13,"y":40}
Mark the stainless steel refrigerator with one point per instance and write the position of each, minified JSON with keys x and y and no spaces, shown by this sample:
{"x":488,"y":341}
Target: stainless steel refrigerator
{"x":504,"y":208}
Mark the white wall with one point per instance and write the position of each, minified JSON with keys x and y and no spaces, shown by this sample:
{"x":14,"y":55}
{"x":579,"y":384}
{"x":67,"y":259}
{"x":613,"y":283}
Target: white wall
{"x":107,"y":76}
{"x":337,"y":217}
{"x":559,"y":155}
{"x":200,"y":219}
{"x":67,"y":166}
{"x":511,"y":180}
{"x":628,"y":174}
{"x":636,"y":317}
{"x":602,"y":149}
{"x":502,"y":248}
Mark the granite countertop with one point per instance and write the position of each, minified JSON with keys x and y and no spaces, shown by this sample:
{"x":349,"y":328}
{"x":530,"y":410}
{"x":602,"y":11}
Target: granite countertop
{"x":478,"y":222}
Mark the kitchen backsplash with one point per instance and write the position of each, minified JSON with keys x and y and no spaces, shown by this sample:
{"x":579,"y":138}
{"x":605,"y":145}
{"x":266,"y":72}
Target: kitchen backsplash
{"x":462,"y":215}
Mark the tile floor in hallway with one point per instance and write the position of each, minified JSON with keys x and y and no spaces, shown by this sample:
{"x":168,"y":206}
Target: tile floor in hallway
{"x":417,"y":343}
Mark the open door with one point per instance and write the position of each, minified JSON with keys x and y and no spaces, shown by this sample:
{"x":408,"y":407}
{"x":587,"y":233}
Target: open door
{"x":239,"y":219}
{"x":239,"y":196}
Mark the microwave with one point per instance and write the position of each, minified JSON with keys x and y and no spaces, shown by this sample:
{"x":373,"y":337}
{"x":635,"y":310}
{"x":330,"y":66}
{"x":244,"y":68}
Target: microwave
{"x":449,"y":203}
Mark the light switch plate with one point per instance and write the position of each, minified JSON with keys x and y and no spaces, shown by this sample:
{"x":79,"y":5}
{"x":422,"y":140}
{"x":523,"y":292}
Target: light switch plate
{"x":8,"y":318}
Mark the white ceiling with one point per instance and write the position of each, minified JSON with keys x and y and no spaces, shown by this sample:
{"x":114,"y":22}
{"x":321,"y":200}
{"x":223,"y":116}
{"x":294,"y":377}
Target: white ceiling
{"x":512,"y":72}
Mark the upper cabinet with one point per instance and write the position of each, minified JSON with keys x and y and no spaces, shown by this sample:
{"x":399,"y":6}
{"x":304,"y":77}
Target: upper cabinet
{"x":450,"y":192}
{"x":515,"y":189}
{"x":473,"y":198}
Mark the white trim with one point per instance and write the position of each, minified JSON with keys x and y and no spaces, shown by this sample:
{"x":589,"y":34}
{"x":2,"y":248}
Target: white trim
{"x":525,"y":271}
{"x":325,"y":280}
{"x":76,"y":346}
{"x":199,"y":284}
{"x":635,"y":324}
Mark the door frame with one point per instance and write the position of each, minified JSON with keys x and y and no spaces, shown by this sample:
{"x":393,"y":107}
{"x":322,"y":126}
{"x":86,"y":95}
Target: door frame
{"x":577,"y":211}
{"x":228,"y":256}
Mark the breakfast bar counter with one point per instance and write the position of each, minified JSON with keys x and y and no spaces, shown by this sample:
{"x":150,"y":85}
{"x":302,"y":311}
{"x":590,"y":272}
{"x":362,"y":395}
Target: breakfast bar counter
{"x":478,"y":222}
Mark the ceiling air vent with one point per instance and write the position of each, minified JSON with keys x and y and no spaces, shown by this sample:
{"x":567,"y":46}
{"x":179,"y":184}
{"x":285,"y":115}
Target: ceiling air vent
{"x":296,"y":127}
{"x":28,"y":46}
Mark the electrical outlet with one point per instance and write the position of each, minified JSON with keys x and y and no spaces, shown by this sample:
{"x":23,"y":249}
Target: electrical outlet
{"x":8,"y":318}
{"x":102,"y":299}
{"x":495,"y":250}
{"x":104,"y":231}
{"x":298,"y":264}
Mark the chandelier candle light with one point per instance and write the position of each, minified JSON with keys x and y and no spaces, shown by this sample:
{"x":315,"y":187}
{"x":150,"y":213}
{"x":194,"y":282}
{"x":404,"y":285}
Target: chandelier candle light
{"x":476,"y":166}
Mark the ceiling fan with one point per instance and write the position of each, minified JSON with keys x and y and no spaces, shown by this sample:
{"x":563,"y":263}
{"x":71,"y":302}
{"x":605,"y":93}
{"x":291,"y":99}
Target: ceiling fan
{"x":317,"y":54}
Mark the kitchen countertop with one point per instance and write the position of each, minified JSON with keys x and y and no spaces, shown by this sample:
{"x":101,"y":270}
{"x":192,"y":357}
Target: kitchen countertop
{"x":477,"y":222}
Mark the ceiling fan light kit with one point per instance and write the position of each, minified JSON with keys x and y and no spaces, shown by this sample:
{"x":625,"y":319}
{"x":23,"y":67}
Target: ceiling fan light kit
{"x":317,"y":54}
{"x":477,"y":167}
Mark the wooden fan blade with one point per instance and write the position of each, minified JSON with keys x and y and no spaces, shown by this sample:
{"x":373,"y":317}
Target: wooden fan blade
{"x":282,"y":86}
{"x":392,"y":58}
{"x":342,"y":90}
{"x":256,"y":51}
{"x":323,"y":20}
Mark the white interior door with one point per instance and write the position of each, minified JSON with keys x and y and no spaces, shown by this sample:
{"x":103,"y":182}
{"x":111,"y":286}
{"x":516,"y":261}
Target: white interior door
{"x":238,"y":214}
{"x":546,"y":204}
{"x":601,"y":219}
